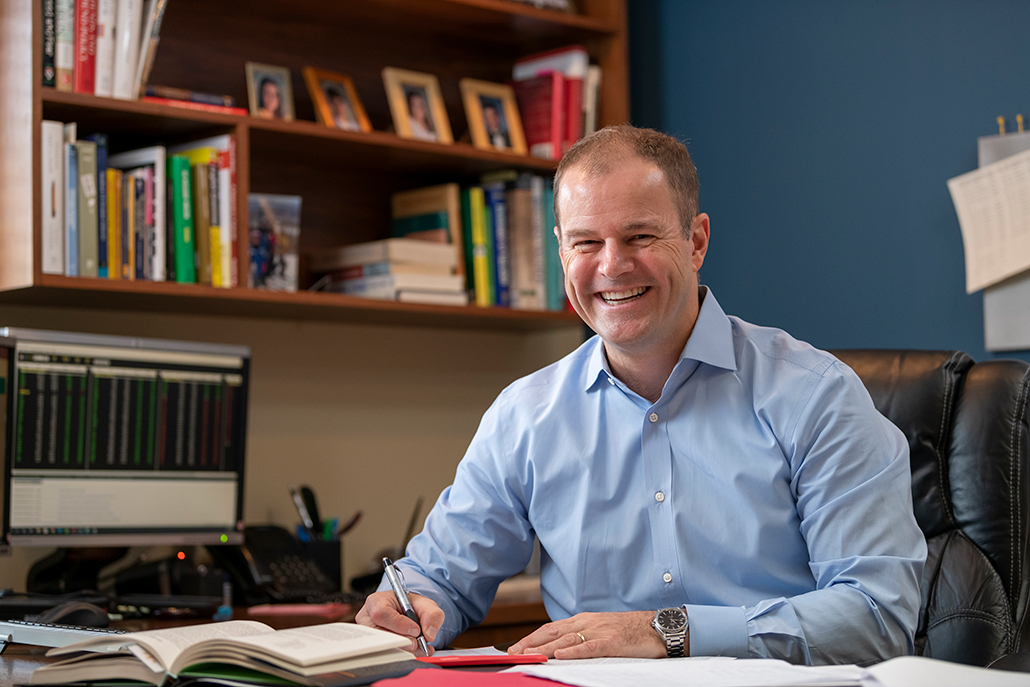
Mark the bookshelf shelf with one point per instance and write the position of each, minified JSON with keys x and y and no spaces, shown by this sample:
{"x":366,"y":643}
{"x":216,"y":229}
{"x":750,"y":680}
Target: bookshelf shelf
{"x":345,"y":178}
{"x":76,"y":292}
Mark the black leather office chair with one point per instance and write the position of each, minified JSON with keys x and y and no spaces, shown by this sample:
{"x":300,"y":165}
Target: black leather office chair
{"x":968,"y":428}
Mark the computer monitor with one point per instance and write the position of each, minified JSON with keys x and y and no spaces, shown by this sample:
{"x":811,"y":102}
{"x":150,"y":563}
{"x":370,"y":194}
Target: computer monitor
{"x":121,"y":441}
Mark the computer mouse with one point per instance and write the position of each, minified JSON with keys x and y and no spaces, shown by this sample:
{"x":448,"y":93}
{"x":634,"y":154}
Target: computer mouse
{"x":76,"y":613}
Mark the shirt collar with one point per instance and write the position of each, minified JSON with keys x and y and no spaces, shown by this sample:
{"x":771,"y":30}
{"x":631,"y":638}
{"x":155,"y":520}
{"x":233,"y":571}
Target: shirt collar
{"x":711,"y":342}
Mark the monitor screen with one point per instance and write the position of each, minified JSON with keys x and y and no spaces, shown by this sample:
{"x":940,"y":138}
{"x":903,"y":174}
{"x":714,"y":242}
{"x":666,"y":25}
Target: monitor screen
{"x":121,"y":441}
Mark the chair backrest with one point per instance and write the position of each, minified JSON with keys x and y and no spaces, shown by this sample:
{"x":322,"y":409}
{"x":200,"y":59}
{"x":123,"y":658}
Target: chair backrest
{"x":969,"y":434}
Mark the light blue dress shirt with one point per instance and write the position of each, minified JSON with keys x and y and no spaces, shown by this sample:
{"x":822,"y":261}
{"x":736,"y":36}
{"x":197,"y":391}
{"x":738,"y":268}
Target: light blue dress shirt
{"x":762,"y":490}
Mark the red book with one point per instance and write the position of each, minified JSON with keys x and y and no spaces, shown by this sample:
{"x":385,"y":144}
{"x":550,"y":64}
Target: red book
{"x":573,"y":112}
{"x":541,"y":102}
{"x":190,"y":105}
{"x":85,"y":45}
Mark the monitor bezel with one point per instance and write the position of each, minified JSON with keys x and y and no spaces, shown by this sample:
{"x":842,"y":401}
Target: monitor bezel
{"x":11,"y":336}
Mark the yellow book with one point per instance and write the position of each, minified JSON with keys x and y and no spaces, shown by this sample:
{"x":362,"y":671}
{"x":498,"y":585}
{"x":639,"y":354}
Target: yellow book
{"x":480,"y":253}
{"x":114,"y":223}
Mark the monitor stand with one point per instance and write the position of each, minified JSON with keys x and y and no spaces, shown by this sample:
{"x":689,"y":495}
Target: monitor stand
{"x":71,"y":570}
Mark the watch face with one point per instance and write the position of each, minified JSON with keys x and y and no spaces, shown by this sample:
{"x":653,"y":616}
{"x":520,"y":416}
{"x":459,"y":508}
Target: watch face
{"x":671,"y":620}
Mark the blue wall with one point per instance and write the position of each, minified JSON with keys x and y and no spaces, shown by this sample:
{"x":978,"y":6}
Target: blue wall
{"x":824,"y":133}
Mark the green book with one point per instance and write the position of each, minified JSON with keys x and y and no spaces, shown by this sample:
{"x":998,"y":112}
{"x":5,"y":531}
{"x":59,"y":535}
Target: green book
{"x":89,"y":241}
{"x":553,"y":270}
{"x":402,"y":226}
{"x":182,"y":218}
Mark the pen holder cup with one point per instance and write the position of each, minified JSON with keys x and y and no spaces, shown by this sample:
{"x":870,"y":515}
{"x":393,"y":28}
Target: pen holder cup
{"x":329,"y":557}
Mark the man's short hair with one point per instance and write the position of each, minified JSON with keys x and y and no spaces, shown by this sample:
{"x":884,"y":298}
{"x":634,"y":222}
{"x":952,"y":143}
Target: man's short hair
{"x":600,"y":152}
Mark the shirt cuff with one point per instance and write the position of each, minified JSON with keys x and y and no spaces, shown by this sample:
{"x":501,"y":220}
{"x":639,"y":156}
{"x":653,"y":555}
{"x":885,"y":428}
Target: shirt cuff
{"x":717,"y":630}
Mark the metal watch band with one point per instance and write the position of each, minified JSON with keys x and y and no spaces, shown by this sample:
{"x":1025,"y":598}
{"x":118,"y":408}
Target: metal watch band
{"x":674,"y":646}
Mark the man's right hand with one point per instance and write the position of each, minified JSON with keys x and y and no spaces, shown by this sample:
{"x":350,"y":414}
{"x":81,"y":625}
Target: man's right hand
{"x":382,"y":611}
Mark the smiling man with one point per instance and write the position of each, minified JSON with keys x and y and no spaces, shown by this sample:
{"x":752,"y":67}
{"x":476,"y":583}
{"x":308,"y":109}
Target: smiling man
{"x":699,"y":485}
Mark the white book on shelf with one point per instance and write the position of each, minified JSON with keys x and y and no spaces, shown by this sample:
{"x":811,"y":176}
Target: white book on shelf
{"x":153,"y":156}
{"x":104,"y":79}
{"x":396,"y":249}
{"x":128,"y":18}
{"x":148,"y":44}
{"x":53,"y":183}
{"x":454,"y":283}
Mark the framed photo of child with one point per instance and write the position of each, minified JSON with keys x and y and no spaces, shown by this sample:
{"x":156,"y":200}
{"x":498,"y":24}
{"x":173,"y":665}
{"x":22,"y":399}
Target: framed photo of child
{"x":269,"y":91}
{"x":336,"y":102}
{"x":416,"y":105}
{"x":493,"y":116}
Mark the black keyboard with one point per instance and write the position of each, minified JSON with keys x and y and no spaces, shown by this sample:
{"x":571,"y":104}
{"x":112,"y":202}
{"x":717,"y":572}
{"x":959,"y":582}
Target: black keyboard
{"x":48,"y":634}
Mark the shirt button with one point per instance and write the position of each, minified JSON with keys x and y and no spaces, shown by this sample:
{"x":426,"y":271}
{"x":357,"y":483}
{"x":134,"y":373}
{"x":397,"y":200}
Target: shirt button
{"x":659,"y":497}
{"x":611,"y":381}
{"x":653,"y":417}
{"x":667,"y":577}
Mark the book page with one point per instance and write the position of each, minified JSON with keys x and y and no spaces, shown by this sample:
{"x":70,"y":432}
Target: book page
{"x":303,"y":646}
{"x":165,"y":645}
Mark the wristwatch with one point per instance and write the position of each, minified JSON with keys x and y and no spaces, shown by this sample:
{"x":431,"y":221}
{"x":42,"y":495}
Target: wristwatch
{"x":672,"y":625}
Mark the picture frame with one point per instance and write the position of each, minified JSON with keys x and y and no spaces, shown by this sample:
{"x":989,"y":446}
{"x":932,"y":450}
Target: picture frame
{"x":493,"y":116}
{"x":416,"y":105}
{"x":336,"y":102}
{"x":266,"y":82}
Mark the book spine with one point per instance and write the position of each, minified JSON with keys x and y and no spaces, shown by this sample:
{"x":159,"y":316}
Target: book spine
{"x":555,"y":273}
{"x":482,"y":260}
{"x":86,"y":154}
{"x":214,"y":232}
{"x":85,"y":45}
{"x":160,"y":253}
{"x":126,"y":47}
{"x":234,"y":261}
{"x":49,"y":42}
{"x":495,"y":202}
{"x":169,"y":222}
{"x":102,"y":190}
{"x":114,"y":223}
{"x":225,"y":218}
{"x":139,"y":223}
{"x":148,"y":45}
{"x":182,"y":188}
{"x":64,"y":50}
{"x":573,"y":113}
{"x":202,"y":222}
{"x":430,"y":221}
{"x":150,"y":228}
{"x":128,"y":226}
{"x":536,"y":190}
{"x":103,"y":82}
{"x":53,"y":185}
{"x":71,"y":211}
{"x":186,"y":95}
{"x":199,"y":107}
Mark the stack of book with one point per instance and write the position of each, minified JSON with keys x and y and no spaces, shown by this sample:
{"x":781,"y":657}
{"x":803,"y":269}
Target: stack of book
{"x":157,"y":213}
{"x":557,"y":96}
{"x":402,"y":269}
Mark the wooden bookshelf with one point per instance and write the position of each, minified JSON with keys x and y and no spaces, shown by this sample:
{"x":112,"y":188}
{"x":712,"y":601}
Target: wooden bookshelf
{"x":345,"y":178}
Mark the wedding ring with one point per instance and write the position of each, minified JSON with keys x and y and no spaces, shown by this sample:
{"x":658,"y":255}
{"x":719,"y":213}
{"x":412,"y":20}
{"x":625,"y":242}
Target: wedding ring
{"x":581,"y":637}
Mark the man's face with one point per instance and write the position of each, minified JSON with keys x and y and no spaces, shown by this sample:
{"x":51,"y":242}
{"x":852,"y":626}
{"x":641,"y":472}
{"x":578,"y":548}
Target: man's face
{"x":493,"y":122}
{"x":630,"y":272}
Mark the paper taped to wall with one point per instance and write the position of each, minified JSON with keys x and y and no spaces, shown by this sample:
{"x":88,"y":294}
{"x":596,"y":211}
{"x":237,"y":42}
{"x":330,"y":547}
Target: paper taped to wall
{"x":993,"y":207}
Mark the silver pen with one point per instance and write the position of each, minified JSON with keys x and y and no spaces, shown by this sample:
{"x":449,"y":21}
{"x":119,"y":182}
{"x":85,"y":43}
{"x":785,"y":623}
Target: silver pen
{"x":402,"y":598}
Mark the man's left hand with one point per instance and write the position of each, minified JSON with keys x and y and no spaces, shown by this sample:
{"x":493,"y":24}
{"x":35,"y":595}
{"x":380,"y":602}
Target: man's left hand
{"x":590,"y":635}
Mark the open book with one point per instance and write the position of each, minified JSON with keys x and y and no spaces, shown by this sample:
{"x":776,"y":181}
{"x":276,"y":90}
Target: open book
{"x":330,"y":655}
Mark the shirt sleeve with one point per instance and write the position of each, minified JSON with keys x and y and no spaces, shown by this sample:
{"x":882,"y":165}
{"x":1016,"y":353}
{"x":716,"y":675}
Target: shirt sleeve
{"x":852,"y":483}
{"x":476,"y":536}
